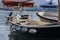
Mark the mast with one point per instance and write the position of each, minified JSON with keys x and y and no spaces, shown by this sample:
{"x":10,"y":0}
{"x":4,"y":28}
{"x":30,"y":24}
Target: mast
{"x":50,"y":2}
{"x":58,"y":10}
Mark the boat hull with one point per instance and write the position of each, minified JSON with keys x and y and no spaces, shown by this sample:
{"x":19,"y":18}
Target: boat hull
{"x":43,"y":32}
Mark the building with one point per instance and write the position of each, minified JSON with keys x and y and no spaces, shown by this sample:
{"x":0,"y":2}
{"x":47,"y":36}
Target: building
{"x":15,"y":3}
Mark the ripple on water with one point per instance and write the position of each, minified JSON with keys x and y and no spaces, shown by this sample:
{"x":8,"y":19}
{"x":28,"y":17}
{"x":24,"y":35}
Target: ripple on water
{"x":4,"y":31}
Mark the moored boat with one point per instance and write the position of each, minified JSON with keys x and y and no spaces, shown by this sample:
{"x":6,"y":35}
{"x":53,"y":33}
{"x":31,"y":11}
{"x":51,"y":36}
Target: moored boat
{"x":50,"y":13}
{"x":35,"y":29}
{"x":48,"y":16}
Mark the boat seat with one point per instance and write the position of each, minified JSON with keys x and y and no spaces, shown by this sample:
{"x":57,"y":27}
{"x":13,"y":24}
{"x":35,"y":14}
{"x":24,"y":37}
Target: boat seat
{"x":24,"y":16}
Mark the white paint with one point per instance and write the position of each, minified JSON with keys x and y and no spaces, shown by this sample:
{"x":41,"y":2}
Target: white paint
{"x":41,"y":13}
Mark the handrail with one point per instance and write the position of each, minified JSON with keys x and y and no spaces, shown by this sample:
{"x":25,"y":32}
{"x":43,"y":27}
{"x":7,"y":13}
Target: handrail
{"x":56,"y":24}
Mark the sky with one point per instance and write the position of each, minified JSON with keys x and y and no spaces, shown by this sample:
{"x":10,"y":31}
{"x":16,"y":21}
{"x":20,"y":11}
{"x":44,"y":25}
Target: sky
{"x":37,"y":2}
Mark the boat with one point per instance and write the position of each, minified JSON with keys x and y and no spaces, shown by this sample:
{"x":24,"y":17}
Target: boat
{"x":44,"y":16}
{"x":33,"y":30}
{"x":49,"y":12}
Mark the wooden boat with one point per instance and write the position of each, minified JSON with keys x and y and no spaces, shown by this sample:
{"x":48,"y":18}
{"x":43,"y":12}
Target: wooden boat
{"x":50,"y":15}
{"x":35,"y":32}
{"x":34,"y":29}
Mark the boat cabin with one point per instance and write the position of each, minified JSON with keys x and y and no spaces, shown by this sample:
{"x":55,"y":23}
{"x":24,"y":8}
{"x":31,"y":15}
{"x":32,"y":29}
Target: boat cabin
{"x":14,"y":3}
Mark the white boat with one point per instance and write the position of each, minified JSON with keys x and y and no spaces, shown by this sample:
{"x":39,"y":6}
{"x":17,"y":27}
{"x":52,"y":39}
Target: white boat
{"x":49,"y":15}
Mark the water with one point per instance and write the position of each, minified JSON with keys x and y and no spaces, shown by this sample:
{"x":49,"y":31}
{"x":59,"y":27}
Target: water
{"x":4,"y":29}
